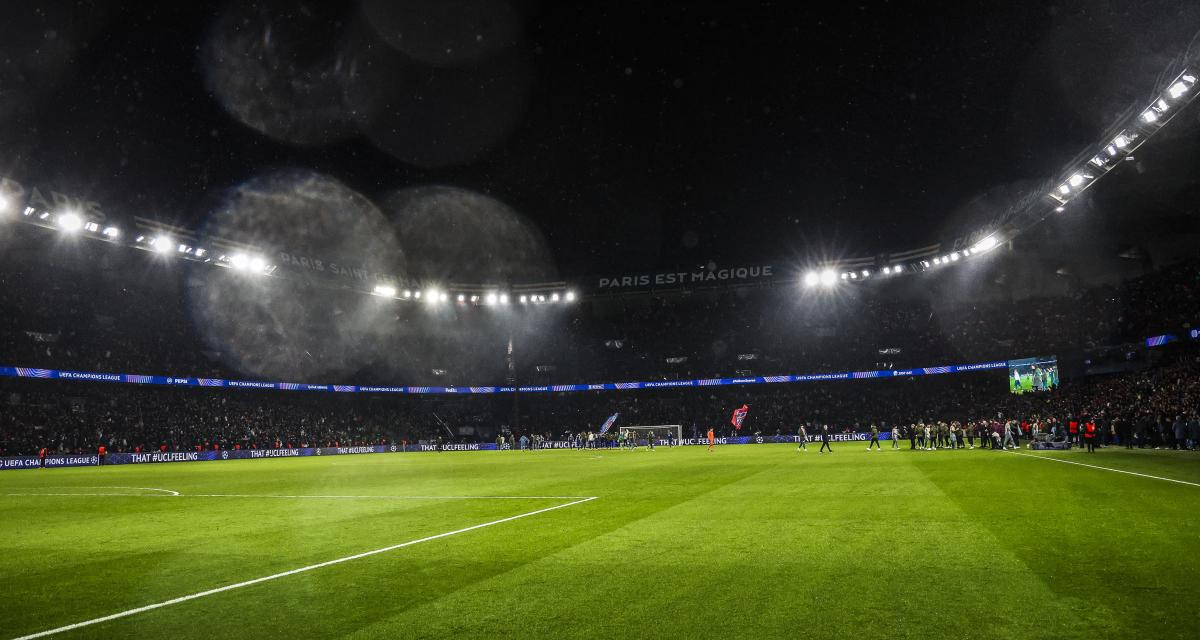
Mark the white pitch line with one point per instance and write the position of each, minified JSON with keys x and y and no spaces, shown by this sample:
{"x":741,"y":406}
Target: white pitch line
{"x":344,"y":497}
{"x":274,"y":576}
{"x":161,"y":492}
{"x":1084,"y":464}
{"x":176,"y":494}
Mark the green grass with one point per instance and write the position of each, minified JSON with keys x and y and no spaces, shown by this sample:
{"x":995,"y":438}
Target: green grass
{"x":749,"y":541}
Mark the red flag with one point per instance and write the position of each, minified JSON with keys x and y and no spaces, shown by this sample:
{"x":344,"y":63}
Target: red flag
{"x":739,"y":416}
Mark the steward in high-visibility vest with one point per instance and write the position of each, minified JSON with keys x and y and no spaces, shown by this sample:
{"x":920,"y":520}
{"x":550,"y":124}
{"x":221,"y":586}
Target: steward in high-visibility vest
{"x":1089,"y":434}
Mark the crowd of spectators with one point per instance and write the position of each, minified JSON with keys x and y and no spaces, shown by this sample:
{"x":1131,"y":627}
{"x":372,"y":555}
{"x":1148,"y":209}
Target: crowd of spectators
{"x":142,"y":314}
{"x":135,"y":315}
{"x":78,"y":416}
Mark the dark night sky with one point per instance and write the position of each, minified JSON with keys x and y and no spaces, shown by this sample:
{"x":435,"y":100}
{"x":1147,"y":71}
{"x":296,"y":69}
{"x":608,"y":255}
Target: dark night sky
{"x":634,"y":135}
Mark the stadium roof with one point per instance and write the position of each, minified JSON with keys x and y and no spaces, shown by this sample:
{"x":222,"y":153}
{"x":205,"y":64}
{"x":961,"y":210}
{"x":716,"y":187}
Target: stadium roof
{"x":567,"y":141}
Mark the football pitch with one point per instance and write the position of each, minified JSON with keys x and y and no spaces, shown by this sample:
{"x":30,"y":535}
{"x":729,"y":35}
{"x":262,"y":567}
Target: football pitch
{"x":756,"y":541}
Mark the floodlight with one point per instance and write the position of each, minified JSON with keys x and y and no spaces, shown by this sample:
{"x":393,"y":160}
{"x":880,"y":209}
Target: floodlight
{"x":570,"y":296}
{"x":407,"y":294}
{"x":70,"y":222}
{"x":523,"y":299}
{"x":239,"y":261}
{"x":1162,"y":105}
{"x":443,"y":297}
{"x":1111,"y":150}
{"x":4,"y":204}
{"x":461,"y":298}
{"x":811,"y":279}
{"x":112,"y":232}
{"x":489,"y":299}
{"x":200,"y":253}
{"x":1177,"y":89}
{"x":1149,"y":116}
{"x":954,"y":256}
{"x":162,"y":244}
{"x":853,"y":275}
{"x":1121,"y":141}
{"x":985,"y":244}
{"x":1064,"y":189}
{"x":432,"y":295}
{"x":91,"y":226}
{"x":384,"y":290}
{"x":504,"y":298}
{"x":936,"y":261}
{"x":1075,"y":180}
{"x":554,"y":297}
{"x":866,"y":273}
{"x":828,"y":277}
{"x":845,"y":276}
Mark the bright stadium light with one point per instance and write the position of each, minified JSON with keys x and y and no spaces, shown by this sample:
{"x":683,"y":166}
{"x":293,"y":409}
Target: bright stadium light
{"x":407,"y":294}
{"x":258,"y":265}
{"x":504,"y":298}
{"x":865,"y":273}
{"x":443,"y":297}
{"x":70,"y":222}
{"x":384,"y":290}
{"x":936,"y":261}
{"x":570,"y":296}
{"x":828,"y":278}
{"x":954,"y":256}
{"x":1149,"y":116}
{"x":854,"y":275}
{"x":112,"y":232}
{"x":490,"y":299}
{"x":5,"y":204}
{"x":200,"y":253}
{"x":987,"y":243}
{"x":1121,"y":141}
{"x":554,"y":297}
{"x":417,"y":295}
{"x":239,"y":261}
{"x":1075,"y":180}
{"x":462,"y":298}
{"x":162,"y":244}
{"x":523,"y":299}
{"x":812,"y":279}
{"x":887,"y":271}
{"x":432,"y":295}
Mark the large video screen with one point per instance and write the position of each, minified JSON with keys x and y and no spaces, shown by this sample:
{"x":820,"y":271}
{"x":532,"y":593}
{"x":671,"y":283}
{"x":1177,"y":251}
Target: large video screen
{"x":1032,"y":374}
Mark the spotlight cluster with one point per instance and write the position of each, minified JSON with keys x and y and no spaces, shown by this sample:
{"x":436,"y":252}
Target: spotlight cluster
{"x":1120,"y":147}
{"x":433,"y":295}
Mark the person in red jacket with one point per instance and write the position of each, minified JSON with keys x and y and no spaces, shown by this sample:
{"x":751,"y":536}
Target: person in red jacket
{"x":100,"y":453}
{"x":1089,"y":435}
{"x":42,"y":457}
{"x":1073,"y":430}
